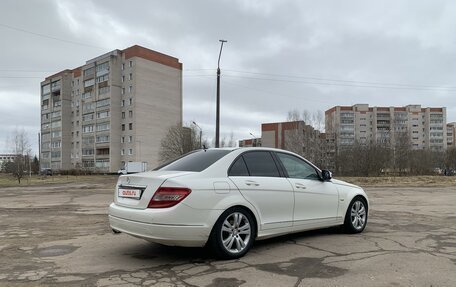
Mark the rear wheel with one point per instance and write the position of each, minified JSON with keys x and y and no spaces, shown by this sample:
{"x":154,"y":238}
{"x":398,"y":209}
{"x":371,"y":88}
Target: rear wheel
{"x":356,"y":216}
{"x":233,"y":234}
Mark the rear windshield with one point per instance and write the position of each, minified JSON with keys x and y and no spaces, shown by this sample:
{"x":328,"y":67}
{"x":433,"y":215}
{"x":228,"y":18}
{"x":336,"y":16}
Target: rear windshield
{"x":196,"y":161}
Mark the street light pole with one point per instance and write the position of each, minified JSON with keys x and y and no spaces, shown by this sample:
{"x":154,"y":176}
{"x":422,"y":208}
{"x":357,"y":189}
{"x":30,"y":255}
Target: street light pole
{"x":217,"y":121}
{"x":201,"y":134}
{"x":253,"y":139}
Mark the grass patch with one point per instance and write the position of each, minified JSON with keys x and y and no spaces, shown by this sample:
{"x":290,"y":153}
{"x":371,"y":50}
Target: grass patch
{"x":7,"y":180}
{"x":402,"y":181}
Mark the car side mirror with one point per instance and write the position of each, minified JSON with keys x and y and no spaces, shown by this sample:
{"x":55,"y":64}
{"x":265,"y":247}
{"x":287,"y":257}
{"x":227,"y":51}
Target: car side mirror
{"x":326,"y":175}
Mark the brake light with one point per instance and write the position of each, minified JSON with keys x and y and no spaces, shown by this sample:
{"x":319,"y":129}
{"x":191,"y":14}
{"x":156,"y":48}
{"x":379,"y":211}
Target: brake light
{"x":168,"y":196}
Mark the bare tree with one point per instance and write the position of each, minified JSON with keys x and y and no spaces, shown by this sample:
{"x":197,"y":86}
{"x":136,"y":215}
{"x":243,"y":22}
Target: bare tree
{"x":178,"y":141}
{"x":302,"y":135}
{"x":230,"y":142}
{"x":21,"y":147}
{"x":450,"y":158}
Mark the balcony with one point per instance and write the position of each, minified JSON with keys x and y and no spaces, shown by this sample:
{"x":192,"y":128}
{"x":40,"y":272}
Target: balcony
{"x":55,"y":87}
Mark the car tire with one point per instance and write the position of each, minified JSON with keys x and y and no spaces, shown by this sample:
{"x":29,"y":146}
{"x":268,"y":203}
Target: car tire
{"x":233,"y":234}
{"x":356,"y":216}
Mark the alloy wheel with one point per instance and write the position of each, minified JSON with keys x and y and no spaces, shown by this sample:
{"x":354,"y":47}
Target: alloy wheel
{"x":358,"y":215}
{"x":236,"y":232}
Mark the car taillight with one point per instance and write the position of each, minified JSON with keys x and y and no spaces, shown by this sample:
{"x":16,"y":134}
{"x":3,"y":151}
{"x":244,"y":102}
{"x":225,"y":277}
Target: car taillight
{"x":168,"y":196}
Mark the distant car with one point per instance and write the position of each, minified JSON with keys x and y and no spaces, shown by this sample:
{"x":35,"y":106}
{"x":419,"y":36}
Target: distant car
{"x":46,"y":171}
{"x":227,"y":198}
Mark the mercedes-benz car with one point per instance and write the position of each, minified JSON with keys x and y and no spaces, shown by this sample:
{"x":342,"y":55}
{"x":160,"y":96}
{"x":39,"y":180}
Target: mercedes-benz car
{"x":228,"y":198}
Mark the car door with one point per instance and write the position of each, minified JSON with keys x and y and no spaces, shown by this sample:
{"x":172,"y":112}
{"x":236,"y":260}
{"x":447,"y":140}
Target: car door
{"x":316,"y":201}
{"x":259,"y":180}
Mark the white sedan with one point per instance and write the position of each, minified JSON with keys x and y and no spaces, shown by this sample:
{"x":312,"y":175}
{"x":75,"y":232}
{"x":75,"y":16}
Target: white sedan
{"x":227,"y":198}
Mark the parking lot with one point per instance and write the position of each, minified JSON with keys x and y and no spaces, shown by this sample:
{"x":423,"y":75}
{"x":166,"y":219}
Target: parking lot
{"x":58,"y":235}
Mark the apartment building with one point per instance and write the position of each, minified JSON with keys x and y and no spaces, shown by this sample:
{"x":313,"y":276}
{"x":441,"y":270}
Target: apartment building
{"x":253,"y":142}
{"x":421,"y":128}
{"x":303,"y":139}
{"x":114,"y":109}
{"x":6,"y":157}
{"x":451,"y":134}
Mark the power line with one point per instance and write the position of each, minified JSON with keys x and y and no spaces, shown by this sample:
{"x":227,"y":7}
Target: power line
{"x":19,"y":77}
{"x":49,"y":37}
{"x":339,"y":80}
{"x":340,"y":84}
{"x":269,"y":92}
{"x":25,"y":71}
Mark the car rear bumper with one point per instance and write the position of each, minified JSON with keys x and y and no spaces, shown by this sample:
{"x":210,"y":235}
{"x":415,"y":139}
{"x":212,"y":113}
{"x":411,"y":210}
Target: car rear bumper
{"x":131,"y":221}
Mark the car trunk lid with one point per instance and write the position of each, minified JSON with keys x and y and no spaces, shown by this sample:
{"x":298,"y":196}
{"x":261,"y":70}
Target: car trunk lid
{"x":136,"y":190}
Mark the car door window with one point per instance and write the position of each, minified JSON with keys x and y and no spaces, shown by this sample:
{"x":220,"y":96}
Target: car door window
{"x":261,"y":164}
{"x":238,"y":168}
{"x":296,"y":167}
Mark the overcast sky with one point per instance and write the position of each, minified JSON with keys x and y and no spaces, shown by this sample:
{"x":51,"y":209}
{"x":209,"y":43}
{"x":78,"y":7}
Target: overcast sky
{"x":281,"y":55}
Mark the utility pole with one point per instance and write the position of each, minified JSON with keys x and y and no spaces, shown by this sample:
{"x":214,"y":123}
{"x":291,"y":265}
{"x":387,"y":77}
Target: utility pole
{"x":217,"y":121}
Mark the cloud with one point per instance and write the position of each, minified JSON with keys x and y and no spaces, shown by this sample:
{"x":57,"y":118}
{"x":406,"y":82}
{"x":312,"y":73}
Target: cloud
{"x":280,"y":55}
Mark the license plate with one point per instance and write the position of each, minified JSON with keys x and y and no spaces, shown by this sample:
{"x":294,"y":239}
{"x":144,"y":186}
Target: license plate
{"x":129,"y":193}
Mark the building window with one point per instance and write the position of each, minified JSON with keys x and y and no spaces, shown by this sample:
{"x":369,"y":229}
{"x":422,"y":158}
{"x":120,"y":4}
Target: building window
{"x":130,"y":114}
{"x":123,"y":79}
{"x":46,"y":89}
{"x":123,"y":66}
{"x":130,"y":64}
{"x":130,"y":101}
{"x":122,"y":91}
{"x":130,"y":126}
{"x":123,"y":115}
{"x":130,"y":89}
{"x":130,"y":151}
{"x":103,"y":103}
{"x":88,"y":72}
{"x":89,"y":83}
{"x":130,"y":139}
{"x":87,"y":95}
{"x":103,"y":68}
{"x":122,"y":139}
{"x":123,"y":127}
{"x":130,"y":77}
{"x":87,"y":117}
{"x":102,"y":127}
{"x":102,"y":139}
{"x":102,"y":115}
{"x":103,"y":78}
{"x":56,"y":144}
{"x":122,"y":103}
{"x":87,"y":129}
{"x":87,"y":151}
{"x":103,"y":90}
{"x":122,"y":152}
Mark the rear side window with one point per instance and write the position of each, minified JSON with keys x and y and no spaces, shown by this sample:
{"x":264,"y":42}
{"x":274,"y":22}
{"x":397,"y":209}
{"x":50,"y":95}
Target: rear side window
{"x":261,"y":164}
{"x":238,"y":168}
{"x":196,"y":161}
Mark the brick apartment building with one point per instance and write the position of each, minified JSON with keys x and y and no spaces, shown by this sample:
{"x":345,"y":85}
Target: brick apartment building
{"x":254,"y":142}
{"x":114,"y":109}
{"x":303,"y":139}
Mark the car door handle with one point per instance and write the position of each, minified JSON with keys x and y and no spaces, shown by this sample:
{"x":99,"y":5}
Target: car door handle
{"x":251,"y":183}
{"x":300,"y":186}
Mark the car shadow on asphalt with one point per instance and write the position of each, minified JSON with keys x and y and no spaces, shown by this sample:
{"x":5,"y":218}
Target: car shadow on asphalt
{"x":203,"y":254}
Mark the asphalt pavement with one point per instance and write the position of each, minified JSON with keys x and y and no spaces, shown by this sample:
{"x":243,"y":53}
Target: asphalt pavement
{"x":58,"y":235}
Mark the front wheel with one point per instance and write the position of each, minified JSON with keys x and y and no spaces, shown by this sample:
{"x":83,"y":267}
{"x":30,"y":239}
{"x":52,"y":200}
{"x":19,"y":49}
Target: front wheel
{"x":233,"y":234}
{"x":356,"y":216}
